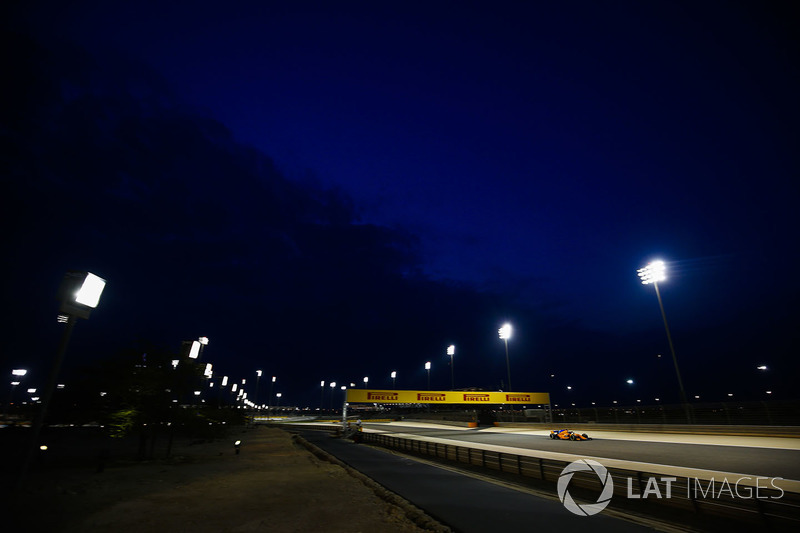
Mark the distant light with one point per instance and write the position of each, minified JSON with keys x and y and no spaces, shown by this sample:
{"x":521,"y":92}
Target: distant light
{"x":730,"y":394}
{"x":569,"y":387}
{"x":175,"y":363}
{"x":451,"y":350}
{"x":629,"y":382}
{"x":103,"y":393}
{"x":428,"y":365}
{"x":60,"y":386}
{"x":655,"y":271}
{"x":15,"y":383}
{"x":34,"y":398}
{"x":90,"y":291}
{"x":244,"y":382}
{"x":208,"y":373}
{"x":657,"y":399}
{"x":31,"y":391}
{"x":203,"y":340}
{"x":233,"y":388}
{"x":697,"y":397}
{"x":210,"y":384}
{"x":505,"y":331}
{"x":273,"y":379}
{"x":279,"y":395}
{"x":769,"y":392}
{"x":43,"y":447}
{"x":258,"y":373}
{"x":197,"y":393}
{"x":344,"y":388}
{"x":322,"y":383}
{"x":394,"y":374}
{"x":224,"y":381}
{"x":62,"y":319}
{"x":762,"y":367}
{"x":352,"y":384}
{"x":19,"y":372}
{"x":333,"y":384}
{"x":366,"y":379}
{"x":237,"y":443}
{"x":195,"y":350}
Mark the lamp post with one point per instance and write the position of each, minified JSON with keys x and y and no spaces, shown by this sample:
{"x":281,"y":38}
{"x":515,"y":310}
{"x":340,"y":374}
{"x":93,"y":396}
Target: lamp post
{"x":505,"y":334}
{"x":428,"y":368}
{"x":79,"y":293}
{"x":654,"y":272}
{"x":394,"y":376}
{"x":321,"y":393}
{"x":451,"y":351}
{"x":18,"y":373}
{"x":258,"y":382}
{"x":333,"y":386}
{"x":366,"y":380}
{"x":269,"y":401}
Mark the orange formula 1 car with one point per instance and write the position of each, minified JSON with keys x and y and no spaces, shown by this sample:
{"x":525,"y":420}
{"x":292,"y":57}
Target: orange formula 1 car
{"x":566,"y":434}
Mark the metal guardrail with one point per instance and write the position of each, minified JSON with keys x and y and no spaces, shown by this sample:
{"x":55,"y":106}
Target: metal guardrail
{"x":773,"y":509}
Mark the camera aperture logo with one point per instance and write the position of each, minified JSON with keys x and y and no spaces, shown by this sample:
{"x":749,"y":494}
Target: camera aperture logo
{"x":584,"y":465}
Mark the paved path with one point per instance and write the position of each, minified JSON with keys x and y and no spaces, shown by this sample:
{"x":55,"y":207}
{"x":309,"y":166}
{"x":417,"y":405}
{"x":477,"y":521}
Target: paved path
{"x":464,"y":503}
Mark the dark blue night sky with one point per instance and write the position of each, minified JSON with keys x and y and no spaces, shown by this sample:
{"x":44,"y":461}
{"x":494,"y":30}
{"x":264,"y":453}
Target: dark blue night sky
{"x":332,"y":190}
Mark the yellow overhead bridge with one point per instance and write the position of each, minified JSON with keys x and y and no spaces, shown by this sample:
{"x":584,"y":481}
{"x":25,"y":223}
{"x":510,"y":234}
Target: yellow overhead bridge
{"x":446,"y":397}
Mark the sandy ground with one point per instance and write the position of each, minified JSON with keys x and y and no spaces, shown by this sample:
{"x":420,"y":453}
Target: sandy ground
{"x":272,"y":485}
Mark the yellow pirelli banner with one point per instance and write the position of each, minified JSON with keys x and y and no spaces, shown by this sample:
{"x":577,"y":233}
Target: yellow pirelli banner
{"x":418,"y":396}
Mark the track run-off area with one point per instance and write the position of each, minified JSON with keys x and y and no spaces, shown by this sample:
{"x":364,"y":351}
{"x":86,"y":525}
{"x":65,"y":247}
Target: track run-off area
{"x":685,"y":455}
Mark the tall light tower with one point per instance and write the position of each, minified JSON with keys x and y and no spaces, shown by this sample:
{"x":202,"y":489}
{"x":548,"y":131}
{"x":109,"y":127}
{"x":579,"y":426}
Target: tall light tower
{"x":78,"y":294}
{"x":321,"y":393}
{"x":654,"y":272}
{"x":258,"y":382}
{"x":394,"y":376}
{"x":505,"y":334}
{"x":269,"y":400}
{"x":366,"y":380}
{"x":451,"y":351}
{"x":428,"y":368}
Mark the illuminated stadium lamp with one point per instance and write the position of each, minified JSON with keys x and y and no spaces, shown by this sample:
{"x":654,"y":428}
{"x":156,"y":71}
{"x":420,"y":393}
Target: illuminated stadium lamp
{"x":654,"y":272}
{"x":394,"y":377}
{"x":31,"y":391}
{"x":224,"y":381}
{"x":366,"y":380}
{"x":203,"y":340}
{"x":208,"y":373}
{"x":505,"y":334}
{"x":233,"y":388}
{"x":19,"y":372}
{"x":197,"y":393}
{"x":175,"y":363}
{"x":194,"y":351}
{"x":629,"y":382}
{"x":762,"y":367}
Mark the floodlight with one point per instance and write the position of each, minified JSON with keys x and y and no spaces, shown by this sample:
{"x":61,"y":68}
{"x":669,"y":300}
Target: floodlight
{"x":654,"y":272}
{"x":90,"y":291}
{"x":505,"y":331}
{"x":194,"y":351}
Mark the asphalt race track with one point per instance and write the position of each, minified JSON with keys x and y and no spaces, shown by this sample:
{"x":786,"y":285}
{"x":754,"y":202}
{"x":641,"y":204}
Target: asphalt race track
{"x":741,"y":459}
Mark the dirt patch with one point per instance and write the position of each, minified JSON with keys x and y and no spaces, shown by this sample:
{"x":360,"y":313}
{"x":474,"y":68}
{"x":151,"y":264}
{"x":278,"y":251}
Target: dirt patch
{"x":272,"y":485}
